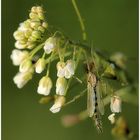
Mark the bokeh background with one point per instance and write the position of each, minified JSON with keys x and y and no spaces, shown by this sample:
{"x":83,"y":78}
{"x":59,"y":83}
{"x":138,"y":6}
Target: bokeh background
{"x":111,"y":24}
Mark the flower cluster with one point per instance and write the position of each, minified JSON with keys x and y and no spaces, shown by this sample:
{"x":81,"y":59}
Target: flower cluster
{"x":29,"y":40}
{"x":36,"y":48}
{"x":31,"y":31}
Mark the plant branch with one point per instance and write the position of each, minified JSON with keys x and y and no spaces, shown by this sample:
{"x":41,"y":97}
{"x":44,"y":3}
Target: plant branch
{"x":76,"y":97}
{"x":84,"y":35}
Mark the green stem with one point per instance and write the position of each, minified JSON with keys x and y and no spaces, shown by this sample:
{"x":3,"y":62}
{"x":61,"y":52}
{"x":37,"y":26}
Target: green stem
{"x":43,"y":56}
{"x":84,"y":35}
{"x":48,"y":69}
{"x":49,"y":59}
{"x":69,"y":82}
{"x":35,"y":50}
{"x":76,"y":97}
{"x":125,"y":94}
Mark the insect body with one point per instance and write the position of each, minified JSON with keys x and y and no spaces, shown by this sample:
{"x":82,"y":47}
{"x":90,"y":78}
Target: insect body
{"x":94,"y":104}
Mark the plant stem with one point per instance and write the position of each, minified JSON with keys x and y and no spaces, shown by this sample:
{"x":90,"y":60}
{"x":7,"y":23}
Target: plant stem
{"x":76,"y":97}
{"x":35,"y":50}
{"x":124,"y":93}
{"x":84,"y":35}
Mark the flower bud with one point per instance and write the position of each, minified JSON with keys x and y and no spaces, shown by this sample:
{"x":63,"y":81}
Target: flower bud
{"x":33,"y":16}
{"x":50,"y":45}
{"x":119,"y":59}
{"x":59,"y":102}
{"x":23,"y":41}
{"x":110,"y":71}
{"x":36,"y":34}
{"x":61,"y":69}
{"x":18,"y":45}
{"x":45,"y":85}
{"x":25,"y":66}
{"x":18,"y":56}
{"x":31,"y":45}
{"x":28,"y":33}
{"x":18,"y":35}
{"x":112,"y":118}
{"x":45,"y":24}
{"x":40,"y":65}
{"x":61,"y":84}
{"x":39,"y":9}
{"x":32,"y":39}
{"x":35,"y":24}
{"x":69,"y":69}
{"x":24,"y":26}
{"x":115,"y":105}
{"x":41,"y":29}
{"x":34,"y":9}
{"x":41,"y":16}
{"x":22,"y":78}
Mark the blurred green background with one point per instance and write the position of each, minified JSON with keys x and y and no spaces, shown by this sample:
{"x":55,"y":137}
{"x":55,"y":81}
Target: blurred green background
{"x":111,"y":24}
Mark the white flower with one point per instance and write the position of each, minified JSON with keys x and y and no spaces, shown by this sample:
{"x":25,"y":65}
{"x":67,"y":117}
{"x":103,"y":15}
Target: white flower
{"x":112,"y":118}
{"x":18,"y":45}
{"x":26,"y":65}
{"x":59,"y":102}
{"x":18,"y":56}
{"x":23,"y":27}
{"x":45,"y":85}
{"x":50,"y":45}
{"x":61,"y":69}
{"x":18,"y":35}
{"x":40,"y":65}
{"x":69,"y":69}
{"x":115,"y":105}
{"x":22,"y":78}
{"x":61,"y":84}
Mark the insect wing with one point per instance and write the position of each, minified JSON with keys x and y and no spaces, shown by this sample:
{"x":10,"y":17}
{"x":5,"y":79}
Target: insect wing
{"x":90,"y":100}
{"x":99,"y":100}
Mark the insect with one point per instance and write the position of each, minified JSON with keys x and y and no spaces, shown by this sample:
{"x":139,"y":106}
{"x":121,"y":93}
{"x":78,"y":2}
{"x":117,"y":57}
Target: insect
{"x":95,"y":107}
